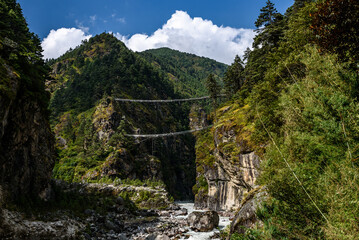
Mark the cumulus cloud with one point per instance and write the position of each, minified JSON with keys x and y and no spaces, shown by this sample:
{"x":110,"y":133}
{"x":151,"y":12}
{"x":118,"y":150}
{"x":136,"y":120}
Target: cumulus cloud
{"x":194,"y":35}
{"x":60,"y":40}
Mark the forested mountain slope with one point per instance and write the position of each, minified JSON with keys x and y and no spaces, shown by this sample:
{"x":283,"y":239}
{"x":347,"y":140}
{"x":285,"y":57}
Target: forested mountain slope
{"x":26,"y":141}
{"x":187,"y":72}
{"x":296,"y":108}
{"x":90,"y":125}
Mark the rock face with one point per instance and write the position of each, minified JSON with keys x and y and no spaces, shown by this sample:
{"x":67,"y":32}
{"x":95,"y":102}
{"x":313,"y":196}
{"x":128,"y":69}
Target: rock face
{"x":203,"y":221}
{"x":227,"y":166}
{"x":26,"y":144}
{"x":246,"y":215}
{"x":228,"y":180}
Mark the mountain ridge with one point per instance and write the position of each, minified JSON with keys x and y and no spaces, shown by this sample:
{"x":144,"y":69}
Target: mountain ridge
{"x":91,"y":126}
{"x":186,"y":71}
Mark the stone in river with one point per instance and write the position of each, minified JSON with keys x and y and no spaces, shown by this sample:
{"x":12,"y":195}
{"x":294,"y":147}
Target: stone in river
{"x":203,"y":221}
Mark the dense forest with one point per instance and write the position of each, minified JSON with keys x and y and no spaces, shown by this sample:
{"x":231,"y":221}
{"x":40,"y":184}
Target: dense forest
{"x":299,"y":90}
{"x":25,"y":135}
{"x":23,"y":57}
{"x":292,"y":99}
{"x":187,"y":72}
{"x":91,"y":126}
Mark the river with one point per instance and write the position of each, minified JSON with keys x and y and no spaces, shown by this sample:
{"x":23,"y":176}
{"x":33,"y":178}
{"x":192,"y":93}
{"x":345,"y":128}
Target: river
{"x":223,"y":222}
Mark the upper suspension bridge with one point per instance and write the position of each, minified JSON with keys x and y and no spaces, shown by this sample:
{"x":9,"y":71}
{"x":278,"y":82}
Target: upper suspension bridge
{"x":165,"y":101}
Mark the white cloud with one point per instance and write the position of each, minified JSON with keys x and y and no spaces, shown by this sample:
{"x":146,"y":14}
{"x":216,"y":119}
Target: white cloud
{"x":60,"y":40}
{"x":194,"y":35}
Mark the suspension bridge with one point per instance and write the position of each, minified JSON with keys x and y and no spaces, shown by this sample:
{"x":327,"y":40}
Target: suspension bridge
{"x":161,"y":101}
{"x":159,"y":135}
{"x":167,"y":134}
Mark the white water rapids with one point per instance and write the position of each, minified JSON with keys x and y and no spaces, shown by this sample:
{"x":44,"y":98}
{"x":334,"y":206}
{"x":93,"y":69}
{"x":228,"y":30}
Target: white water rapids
{"x":223,"y":222}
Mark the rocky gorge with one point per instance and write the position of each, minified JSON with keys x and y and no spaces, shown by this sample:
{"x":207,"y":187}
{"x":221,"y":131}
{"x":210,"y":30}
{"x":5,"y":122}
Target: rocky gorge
{"x":68,"y":168}
{"x":228,"y":167}
{"x":105,"y":215}
{"x":27,"y":143}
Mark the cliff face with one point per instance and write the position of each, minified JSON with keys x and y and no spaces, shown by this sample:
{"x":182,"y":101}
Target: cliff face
{"x":228,"y":183}
{"x":229,"y":169}
{"x":26,"y":142}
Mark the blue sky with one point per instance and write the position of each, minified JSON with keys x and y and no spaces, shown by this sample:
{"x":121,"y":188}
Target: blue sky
{"x":126,"y":18}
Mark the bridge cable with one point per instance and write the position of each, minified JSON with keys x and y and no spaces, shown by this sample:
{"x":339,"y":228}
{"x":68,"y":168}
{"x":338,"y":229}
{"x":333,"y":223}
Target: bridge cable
{"x":164,"y":101}
{"x":167,"y":134}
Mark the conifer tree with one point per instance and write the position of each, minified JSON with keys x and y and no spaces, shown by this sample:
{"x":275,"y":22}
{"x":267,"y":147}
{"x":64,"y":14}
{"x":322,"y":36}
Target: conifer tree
{"x":267,"y":15}
{"x":246,"y":54}
{"x":234,"y":77}
{"x":269,"y":26}
{"x":213,"y":89}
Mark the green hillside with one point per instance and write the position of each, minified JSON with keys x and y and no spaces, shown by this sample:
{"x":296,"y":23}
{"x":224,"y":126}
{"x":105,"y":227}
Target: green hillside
{"x":104,"y":66}
{"x":90,"y":125}
{"x":296,"y":108}
{"x":187,"y":72}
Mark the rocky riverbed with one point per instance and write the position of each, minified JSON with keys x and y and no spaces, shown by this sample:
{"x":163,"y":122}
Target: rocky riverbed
{"x":169,"y":224}
{"x":140,"y":225}
{"x":97,"y":211}
{"x":224,"y":221}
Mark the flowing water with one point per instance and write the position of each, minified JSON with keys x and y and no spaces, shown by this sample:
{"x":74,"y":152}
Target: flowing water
{"x":223,"y":222}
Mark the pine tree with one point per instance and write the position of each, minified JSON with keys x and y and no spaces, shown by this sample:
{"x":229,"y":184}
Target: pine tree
{"x":269,"y":26}
{"x":246,"y":54}
{"x":267,"y":15}
{"x":234,"y":77}
{"x":213,"y":88}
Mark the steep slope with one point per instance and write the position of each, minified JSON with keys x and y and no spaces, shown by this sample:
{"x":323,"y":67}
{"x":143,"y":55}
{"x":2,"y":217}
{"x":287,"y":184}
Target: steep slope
{"x":227,"y":166}
{"x":26,"y":142}
{"x":90,"y":125}
{"x":187,"y":72}
{"x":298,"y":110}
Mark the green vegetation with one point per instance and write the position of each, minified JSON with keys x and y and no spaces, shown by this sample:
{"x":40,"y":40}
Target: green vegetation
{"x":103,"y":66}
{"x":72,"y":200}
{"x":298,"y":104}
{"x":213,"y":88}
{"x":144,"y":199}
{"x":91,"y":126}
{"x":335,"y":23}
{"x":20,"y":53}
{"x":234,"y":77}
{"x":187,"y":72}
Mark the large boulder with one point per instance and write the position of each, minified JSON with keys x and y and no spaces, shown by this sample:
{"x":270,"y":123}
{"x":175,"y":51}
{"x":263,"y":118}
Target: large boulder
{"x":203,"y":221}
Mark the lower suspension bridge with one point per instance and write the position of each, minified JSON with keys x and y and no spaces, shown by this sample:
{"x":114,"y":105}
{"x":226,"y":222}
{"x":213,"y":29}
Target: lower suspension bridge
{"x":160,"y":135}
